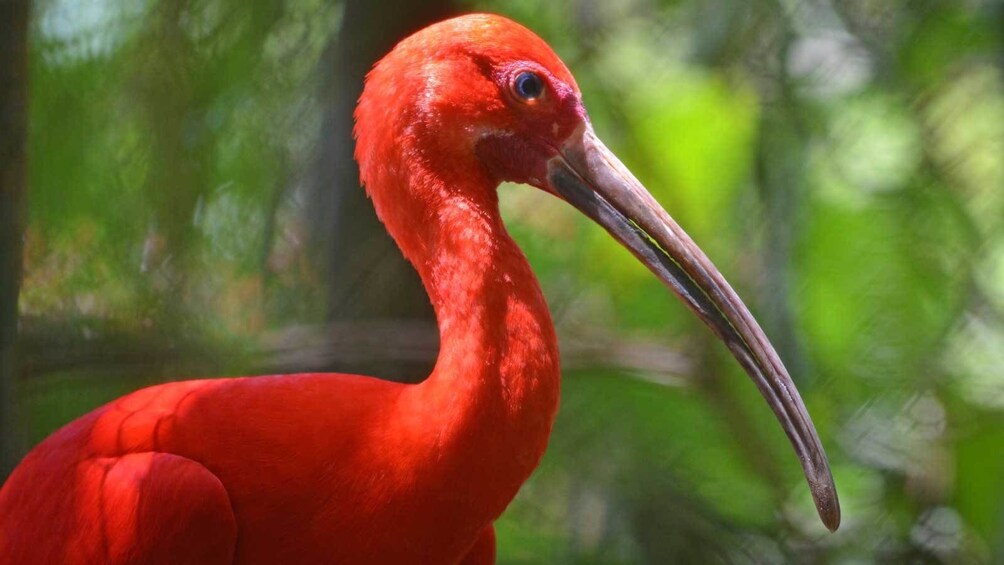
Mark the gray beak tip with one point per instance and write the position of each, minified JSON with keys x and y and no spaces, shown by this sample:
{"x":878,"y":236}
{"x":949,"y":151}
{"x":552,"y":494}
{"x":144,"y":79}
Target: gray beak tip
{"x":824,"y":494}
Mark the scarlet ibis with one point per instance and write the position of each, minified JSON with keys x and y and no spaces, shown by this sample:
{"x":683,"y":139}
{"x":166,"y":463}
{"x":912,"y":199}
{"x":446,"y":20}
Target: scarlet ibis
{"x":336,"y":468}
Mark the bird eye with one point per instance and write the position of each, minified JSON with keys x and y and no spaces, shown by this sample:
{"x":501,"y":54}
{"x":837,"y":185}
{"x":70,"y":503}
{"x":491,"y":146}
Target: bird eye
{"x":528,"y":85}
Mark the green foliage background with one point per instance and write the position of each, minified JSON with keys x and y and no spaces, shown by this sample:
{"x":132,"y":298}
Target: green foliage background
{"x":841,"y":161}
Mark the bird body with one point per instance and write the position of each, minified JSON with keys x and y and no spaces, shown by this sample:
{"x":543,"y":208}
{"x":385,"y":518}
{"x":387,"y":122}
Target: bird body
{"x":321,"y":468}
{"x":358,"y":461}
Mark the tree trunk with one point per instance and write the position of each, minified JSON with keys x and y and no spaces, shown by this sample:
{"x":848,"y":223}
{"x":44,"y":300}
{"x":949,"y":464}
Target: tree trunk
{"x":367,"y":276}
{"x":13,"y":175}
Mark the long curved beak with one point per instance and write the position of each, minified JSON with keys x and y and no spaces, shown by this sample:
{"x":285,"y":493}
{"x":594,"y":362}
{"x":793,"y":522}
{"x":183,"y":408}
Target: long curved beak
{"x":590,"y":177}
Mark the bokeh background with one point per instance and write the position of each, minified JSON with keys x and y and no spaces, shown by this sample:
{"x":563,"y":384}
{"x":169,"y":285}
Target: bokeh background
{"x":176,"y":180}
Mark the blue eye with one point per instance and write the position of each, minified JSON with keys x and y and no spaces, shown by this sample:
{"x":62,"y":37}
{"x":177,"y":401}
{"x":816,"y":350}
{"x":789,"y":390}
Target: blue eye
{"x":528,"y":85}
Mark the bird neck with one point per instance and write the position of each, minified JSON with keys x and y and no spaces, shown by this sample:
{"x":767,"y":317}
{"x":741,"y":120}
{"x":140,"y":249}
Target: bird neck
{"x":498,"y":347}
{"x":494,"y":388}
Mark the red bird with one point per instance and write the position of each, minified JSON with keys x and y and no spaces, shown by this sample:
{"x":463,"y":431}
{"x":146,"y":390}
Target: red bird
{"x":332,"y":468}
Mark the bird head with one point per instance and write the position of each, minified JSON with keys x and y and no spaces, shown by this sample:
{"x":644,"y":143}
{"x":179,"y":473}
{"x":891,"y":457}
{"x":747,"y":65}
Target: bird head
{"x":479,"y":91}
{"x":482,"y":98}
